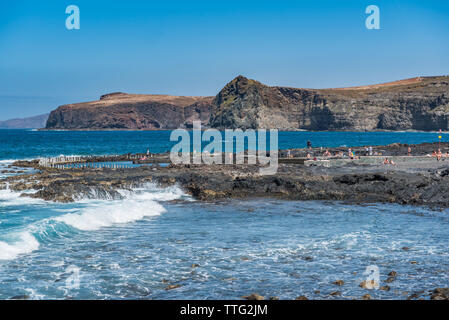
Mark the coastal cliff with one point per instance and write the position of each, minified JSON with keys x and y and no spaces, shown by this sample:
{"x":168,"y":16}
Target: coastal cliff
{"x":413,"y":104}
{"x":132,"y":111}
{"x":420,"y":103}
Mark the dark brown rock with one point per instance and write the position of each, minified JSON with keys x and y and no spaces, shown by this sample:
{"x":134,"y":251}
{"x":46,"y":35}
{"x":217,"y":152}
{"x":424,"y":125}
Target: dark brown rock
{"x":173,"y":286}
{"x":339,"y":282}
{"x":418,"y":103}
{"x":254,"y":296}
{"x":390,"y":279}
{"x":440,"y":294}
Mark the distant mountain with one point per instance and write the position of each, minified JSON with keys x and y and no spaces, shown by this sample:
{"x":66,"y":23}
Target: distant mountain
{"x":35,"y":122}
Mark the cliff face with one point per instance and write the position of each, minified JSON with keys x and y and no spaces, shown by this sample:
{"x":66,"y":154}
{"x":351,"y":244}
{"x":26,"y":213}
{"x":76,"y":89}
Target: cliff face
{"x":417,"y":104}
{"x":413,"y":104}
{"x":126,"y":111}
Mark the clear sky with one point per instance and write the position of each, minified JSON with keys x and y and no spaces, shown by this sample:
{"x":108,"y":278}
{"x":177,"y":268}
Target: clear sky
{"x":196,"y":47}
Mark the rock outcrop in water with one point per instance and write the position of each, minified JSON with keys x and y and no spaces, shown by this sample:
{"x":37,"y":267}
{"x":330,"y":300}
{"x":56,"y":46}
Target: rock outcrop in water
{"x":414,"y":104}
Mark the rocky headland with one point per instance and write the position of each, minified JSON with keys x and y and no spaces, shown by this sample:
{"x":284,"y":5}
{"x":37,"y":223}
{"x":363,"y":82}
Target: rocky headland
{"x":420,"y":103}
{"x":132,"y":112}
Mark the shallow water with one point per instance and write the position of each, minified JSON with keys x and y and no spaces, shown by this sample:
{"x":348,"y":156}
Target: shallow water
{"x":135,"y":248}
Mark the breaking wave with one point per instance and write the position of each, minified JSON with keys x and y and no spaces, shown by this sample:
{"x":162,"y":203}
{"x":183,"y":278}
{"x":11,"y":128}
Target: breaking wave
{"x":96,"y":217}
{"x":25,"y":243}
{"x":85,"y":215}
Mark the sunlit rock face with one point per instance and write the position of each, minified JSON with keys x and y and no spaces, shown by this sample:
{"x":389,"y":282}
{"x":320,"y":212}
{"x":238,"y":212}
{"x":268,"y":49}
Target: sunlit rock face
{"x":413,"y":104}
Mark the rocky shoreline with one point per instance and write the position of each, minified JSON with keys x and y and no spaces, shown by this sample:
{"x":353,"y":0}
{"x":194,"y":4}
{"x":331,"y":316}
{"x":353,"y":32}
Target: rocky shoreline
{"x":423,"y":183}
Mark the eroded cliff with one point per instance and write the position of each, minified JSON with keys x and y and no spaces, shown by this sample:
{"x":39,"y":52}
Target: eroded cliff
{"x":414,"y":104}
{"x":132,"y":111}
{"x":420,"y":103}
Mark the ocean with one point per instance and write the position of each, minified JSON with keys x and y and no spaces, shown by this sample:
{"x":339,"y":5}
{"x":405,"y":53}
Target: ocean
{"x":159,"y":243}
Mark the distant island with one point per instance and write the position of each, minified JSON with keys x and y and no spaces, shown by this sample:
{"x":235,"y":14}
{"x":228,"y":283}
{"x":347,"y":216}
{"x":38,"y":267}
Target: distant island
{"x":35,"y":122}
{"x":420,"y":103}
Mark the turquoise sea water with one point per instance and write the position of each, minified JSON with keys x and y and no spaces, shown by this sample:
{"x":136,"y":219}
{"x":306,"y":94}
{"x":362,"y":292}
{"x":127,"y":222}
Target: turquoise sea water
{"x":134,"y":248}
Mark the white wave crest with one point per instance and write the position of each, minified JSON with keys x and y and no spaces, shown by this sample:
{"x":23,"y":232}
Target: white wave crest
{"x":25,"y":244}
{"x":12,"y":198}
{"x":88,"y":215}
{"x":106,"y":215}
{"x":150,"y":191}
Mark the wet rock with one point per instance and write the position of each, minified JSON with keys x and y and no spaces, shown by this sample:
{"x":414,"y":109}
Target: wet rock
{"x":230,"y":279}
{"x":368,"y":284}
{"x":366,"y":297}
{"x":393,"y":274}
{"x":273,"y":298}
{"x":338,"y":282}
{"x":21,"y":297}
{"x":390,"y":279}
{"x":440,"y":294}
{"x":405,"y":248}
{"x":254,"y":296}
{"x":195,"y":265}
{"x":335,"y":293}
{"x":385,"y":288}
{"x":415,"y":295}
{"x":302,"y":298}
{"x":308,"y":258}
{"x":173,"y":286}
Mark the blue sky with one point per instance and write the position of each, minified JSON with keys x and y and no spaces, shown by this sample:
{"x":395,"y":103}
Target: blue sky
{"x":196,"y":47}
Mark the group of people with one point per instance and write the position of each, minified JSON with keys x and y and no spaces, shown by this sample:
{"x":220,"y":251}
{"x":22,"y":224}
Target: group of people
{"x":387,"y":162}
{"x":439,"y":155}
{"x":368,"y":152}
{"x":147,"y":156}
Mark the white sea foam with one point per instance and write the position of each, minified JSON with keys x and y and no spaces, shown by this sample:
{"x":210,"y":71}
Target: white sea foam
{"x":26,"y":243}
{"x":152,"y":192}
{"x":106,"y":215}
{"x":11,"y":198}
{"x":137,"y":204}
